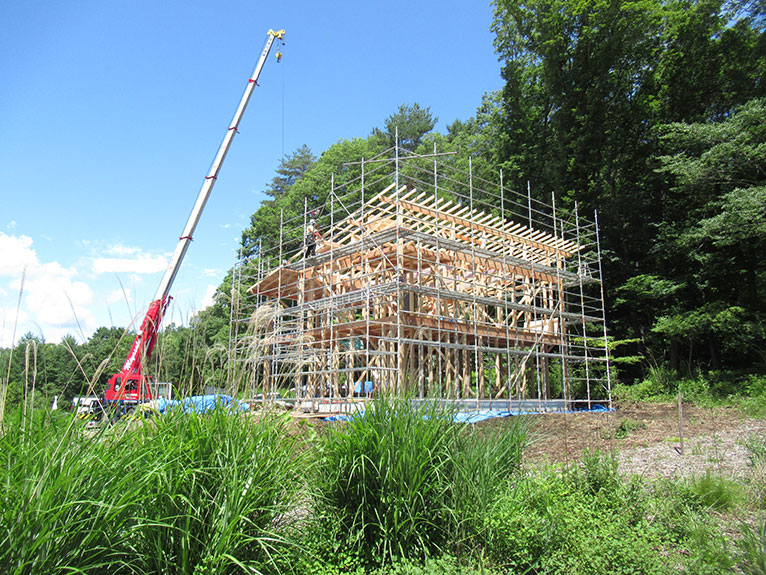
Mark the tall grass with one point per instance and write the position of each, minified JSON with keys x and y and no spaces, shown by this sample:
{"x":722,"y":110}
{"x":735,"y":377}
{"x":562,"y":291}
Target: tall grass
{"x":752,"y":549}
{"x":67,"y":500}
{"x":185,"y":494}
{"x":404,"y":480}
{"x":221,"y":496}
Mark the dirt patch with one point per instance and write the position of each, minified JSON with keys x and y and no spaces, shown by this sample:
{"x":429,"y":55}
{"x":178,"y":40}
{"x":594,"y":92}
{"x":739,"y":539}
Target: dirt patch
{"x":646,"y":437}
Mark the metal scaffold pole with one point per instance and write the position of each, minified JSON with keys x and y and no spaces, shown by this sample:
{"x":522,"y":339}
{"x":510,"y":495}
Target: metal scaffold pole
{"x":431,"y":282}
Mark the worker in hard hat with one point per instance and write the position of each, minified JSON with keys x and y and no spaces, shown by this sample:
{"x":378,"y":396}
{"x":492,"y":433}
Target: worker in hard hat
{"x":312,"y":236}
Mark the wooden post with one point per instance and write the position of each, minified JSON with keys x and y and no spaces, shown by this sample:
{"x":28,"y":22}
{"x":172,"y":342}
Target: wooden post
{"x":681,"y":420}
{"x":498,"y":373}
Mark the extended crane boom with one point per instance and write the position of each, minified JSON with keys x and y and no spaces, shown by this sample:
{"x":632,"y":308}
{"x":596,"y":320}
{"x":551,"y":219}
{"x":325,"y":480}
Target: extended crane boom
{"x":130,"y":385}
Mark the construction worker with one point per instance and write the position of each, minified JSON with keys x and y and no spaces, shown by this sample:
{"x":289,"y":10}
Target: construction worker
{"x":312,"y":236}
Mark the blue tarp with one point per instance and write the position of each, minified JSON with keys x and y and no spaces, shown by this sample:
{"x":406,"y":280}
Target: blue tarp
{"x":201,"y":403}
{"x":476,"y":416}
{"x":368,"y":387}
{"x":481,"y":415}
{"x":344,"y":416}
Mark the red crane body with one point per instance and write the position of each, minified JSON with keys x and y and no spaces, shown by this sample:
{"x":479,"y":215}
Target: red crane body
{"x":131,"y":385}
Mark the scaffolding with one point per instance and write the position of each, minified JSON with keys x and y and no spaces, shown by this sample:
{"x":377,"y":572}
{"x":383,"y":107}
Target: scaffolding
{"x":429,"y":281}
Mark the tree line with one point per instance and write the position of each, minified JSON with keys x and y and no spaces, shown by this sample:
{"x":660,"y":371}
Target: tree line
{"x":651,"y":112}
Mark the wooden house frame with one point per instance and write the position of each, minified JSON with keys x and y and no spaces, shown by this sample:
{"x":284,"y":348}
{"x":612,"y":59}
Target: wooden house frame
{"x":431,"y":286}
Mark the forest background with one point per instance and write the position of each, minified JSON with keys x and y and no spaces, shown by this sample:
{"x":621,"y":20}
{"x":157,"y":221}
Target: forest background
{"x":651,"y":112}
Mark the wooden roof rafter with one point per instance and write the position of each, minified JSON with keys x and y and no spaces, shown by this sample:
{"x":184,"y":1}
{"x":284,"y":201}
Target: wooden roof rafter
{"x":538,"y":242}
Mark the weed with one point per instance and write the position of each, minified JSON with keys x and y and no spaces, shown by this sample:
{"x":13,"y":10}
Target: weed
{"x":752,"y":549}
{"x":754,"y":402}
{"x":597,"y":471}
{"x":626,"y":427}
{"x":756,"y":446}
{"x":444,"y":565}
{"x":715,"y":492}
{"x":709,"y":548}
{"x":553,"y":522}
{"x":698,"y":449}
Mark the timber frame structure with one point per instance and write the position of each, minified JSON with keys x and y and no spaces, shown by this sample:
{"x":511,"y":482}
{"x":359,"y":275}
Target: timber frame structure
{"x":429,"y":281}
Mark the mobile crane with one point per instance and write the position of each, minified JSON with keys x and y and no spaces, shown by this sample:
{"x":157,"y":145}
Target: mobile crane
{"x":131,"y":385}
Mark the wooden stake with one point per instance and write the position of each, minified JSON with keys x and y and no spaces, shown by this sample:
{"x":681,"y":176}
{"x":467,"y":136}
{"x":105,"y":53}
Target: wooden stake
{"x":681,"y":421}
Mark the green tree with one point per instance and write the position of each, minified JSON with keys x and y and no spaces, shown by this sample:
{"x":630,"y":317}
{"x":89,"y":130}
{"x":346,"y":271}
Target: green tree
{"x":411,"y":123}
{"x":718,"y":239}
{"x":588,"y":83}
{"x":105,"y":354}
{"x":284,"y":218}
{"x":291,"y":169}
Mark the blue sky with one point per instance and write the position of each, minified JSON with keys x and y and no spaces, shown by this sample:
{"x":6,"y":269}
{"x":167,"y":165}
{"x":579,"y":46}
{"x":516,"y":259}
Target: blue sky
{"x":111,"y":112}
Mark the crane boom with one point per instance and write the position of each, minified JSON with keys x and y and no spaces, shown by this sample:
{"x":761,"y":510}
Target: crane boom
{"x":129,"y":385}
{"x":207,"y":185}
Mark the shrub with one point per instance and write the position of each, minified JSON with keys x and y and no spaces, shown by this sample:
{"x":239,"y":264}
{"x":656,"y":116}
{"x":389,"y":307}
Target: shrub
{"x":556,"y":523}
{"x":405,"y":481}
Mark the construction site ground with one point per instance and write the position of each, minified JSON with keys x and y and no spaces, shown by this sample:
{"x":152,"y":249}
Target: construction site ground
{"x":647,"y":439}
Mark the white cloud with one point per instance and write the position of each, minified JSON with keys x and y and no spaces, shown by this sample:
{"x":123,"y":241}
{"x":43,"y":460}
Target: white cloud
{"x":17,"y":255}
{"x":225,"y":226}
{"x":11,"y":225}
{"x":120,"y":250}
{"x":143,"y":264}
{"x":207,"y":299}
{"x":54,"y":302}
{"x":59,"y":298}
{"x":58,"y":301}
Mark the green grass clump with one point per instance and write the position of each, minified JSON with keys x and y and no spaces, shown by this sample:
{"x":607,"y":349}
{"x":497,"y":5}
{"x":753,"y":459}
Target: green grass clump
{"x":185,"y":493}
{"x":756,"y":446}
{"x":68,"y":501}
{"x":221,"y":495}
{"x":715,"y":492}
{"x":752,"y":549}
{"x":405,"y":481}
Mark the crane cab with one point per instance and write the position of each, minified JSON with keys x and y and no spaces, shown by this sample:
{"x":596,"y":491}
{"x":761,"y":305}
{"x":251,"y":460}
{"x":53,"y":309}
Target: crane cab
{"x":128,"y":389}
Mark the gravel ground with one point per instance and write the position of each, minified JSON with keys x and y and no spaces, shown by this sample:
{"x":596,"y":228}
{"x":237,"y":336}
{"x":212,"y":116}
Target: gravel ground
{"x":646,"y":437}
{"x":722,"y":452}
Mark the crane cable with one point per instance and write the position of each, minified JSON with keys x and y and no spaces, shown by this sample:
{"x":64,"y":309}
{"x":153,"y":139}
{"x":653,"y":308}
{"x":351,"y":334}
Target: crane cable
{"x":279,"y":60}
